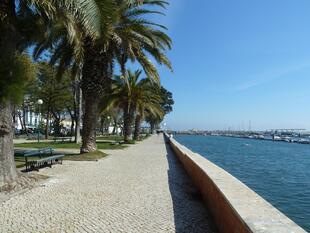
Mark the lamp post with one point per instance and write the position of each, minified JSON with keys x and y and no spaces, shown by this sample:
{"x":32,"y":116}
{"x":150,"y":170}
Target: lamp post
{"x":39,"y":102}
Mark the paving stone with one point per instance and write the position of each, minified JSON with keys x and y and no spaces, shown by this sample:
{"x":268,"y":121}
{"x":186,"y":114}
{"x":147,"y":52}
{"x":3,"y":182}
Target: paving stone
{"x":139,"y":189}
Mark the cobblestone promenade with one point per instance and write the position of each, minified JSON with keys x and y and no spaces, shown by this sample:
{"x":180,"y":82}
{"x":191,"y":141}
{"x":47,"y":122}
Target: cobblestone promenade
{"x":139,"y":189}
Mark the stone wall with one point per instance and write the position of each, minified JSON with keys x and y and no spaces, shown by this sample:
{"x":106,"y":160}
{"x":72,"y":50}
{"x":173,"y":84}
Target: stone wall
{"x":233,"y":205}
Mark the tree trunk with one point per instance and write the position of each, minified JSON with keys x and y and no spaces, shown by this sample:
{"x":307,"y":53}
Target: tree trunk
{"x":152,"y":127}
{"x":102,"y":125}
{"x":72,"y":126}
{"x":78,"y":113}
{"x":57,"y":127}
{"x":73,"y":119}
{"x":21,"y":121}
{"x":47,"y":124}
{"x":90,"y":120}
{"x":128,"y":116}
{"x":127,"y":127}
{"x":114,"y":125}
{"x":8,"y":173}
{"x":57,"y":121}
{"x":97,"y":73}
{"x":8,"y":48}
{"x":137,"y":127}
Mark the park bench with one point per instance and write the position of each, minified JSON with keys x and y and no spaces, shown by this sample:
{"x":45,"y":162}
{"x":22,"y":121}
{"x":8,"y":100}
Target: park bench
{"x":62,"y":139}
{"x":117,"y":142}
{"x":46,"y":158}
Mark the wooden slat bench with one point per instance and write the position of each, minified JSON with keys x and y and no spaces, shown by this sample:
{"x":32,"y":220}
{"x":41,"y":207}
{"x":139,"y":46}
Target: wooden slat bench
{"x":62,"y":139}
{"x":46,"y":158}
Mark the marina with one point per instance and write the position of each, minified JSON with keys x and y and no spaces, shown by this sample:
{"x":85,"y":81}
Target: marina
{"x":279,"y":135}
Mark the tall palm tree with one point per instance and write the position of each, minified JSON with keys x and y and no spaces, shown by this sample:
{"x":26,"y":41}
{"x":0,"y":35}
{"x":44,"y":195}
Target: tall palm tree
{"x":19,"y":26}
{"x":124,"y":34}
{"x":129,"y":36}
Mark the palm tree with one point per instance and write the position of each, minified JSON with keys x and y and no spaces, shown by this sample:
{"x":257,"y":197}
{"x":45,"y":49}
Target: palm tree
{"x":20,"y":26}
{"x":166,"y":104}
{"x":135,"y":97}
{"x":123,"y":34}
{"x":129,"y":36}
{"x":146,"y":102}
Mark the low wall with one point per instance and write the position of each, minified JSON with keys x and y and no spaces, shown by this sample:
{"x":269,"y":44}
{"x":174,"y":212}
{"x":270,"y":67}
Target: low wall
{"x":233,"y":206}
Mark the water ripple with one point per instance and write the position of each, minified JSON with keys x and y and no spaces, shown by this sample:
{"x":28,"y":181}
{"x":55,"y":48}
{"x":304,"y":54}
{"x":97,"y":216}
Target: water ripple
{"x":278,"y":171}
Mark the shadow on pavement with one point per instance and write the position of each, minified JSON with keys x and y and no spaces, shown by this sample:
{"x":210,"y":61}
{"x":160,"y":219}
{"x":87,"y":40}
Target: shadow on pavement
{"x":190,"y":214}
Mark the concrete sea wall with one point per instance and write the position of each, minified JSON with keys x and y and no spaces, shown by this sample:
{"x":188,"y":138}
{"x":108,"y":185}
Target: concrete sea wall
{"x":233,"y":206}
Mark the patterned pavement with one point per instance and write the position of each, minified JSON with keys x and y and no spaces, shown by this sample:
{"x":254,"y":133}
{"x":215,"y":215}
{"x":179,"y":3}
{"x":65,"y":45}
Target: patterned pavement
{"x":139,"y":189}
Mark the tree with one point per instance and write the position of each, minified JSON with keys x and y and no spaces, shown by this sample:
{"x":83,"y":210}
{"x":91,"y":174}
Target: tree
{"x":134,"y":96}
{"x":20,"y":25}
{"x":56,"y":94}
{"x":146,"y":102}
{"x":129,"y":35}
{"x":12,"y":72}
{"x":14,"y":68}
{"x":166,"y":104}
{"x":123,"y":33}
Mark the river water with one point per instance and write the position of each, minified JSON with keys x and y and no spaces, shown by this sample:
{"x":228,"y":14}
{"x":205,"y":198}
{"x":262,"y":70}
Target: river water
{"x":278,"y":171}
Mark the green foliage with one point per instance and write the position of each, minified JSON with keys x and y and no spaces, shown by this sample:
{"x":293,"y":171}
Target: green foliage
{"x":15,"y":74}
{"x":55,"y":93}
{"x":166,"y":102}
{"x":134,"y":94}
{"x":137,"y":38}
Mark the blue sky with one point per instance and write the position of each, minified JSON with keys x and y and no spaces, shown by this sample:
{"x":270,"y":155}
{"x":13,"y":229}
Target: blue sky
{"x":236,"y":61}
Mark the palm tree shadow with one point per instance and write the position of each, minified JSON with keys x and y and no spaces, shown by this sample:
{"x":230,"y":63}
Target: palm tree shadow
{"x":190,"y":214}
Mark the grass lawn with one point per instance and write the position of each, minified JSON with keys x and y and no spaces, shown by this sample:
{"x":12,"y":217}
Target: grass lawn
{"x":111,"y":138}
{"x":68,"y":145}
{"x":20,"y":161}
{"x":118,"y":138}
{"x":93,"y":156}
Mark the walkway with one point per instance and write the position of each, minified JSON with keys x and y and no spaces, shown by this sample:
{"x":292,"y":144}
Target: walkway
{"x":140,"y":189}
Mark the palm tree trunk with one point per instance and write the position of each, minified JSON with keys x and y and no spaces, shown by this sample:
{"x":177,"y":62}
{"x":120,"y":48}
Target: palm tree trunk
{"x":90,"y":120}
{"x":137,"y":127}
{"x":128,"y":116}
{"x":97,"y":73}
{"x":127,"y":126}
{"x":78,"y":113}
{"x":8,"y":47}
{"x":8,"y":173}
{"x":152,"y":127}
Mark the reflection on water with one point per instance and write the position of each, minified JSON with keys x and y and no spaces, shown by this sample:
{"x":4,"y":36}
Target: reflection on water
{"x":278,"y":171}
